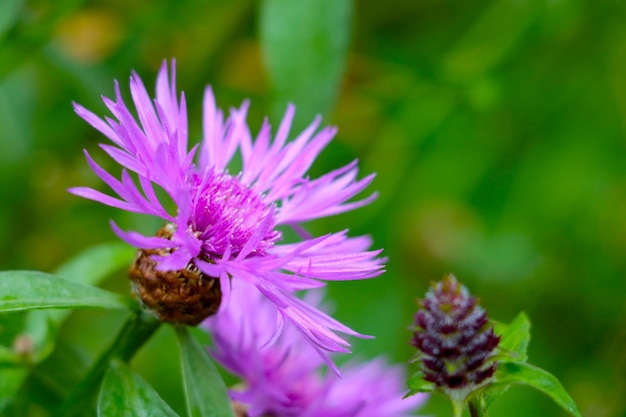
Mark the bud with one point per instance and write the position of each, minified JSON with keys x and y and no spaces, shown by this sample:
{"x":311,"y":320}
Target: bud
{"x":182,"y":297}
{"x":455,"y":341}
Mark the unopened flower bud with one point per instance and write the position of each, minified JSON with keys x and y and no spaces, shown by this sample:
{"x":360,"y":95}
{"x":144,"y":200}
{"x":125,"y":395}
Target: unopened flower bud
{"x":455,"y":340}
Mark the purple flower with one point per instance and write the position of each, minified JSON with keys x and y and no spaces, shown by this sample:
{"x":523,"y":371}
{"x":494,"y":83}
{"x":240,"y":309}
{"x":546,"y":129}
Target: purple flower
{"x":229,"y":227}
{"x":283,"y":377}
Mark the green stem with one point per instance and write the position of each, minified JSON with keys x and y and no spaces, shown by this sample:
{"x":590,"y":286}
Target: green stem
{"x":475,"y":407}
{"x":457,"y":408}
{"x":135,"y":332}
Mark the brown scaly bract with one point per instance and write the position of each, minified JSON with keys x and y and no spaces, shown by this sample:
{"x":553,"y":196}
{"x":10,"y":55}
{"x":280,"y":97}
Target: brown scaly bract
{"x":182,"y":297}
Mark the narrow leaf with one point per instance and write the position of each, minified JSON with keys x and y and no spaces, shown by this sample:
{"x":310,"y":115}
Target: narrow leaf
{"x":205,"y":391}
{"x":126,"y":394}
{"x":509,"y":373}
{"x":31,"y":290}
{"x":304,"y":46}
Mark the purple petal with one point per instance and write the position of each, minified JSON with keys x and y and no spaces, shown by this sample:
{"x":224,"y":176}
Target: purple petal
{"x":96,"y":122}
{"x":94,"y":195}
{"x":140,"y":241}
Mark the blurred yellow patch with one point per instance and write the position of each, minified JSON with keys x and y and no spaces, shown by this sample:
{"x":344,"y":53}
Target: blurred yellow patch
{"x":89,"y":36}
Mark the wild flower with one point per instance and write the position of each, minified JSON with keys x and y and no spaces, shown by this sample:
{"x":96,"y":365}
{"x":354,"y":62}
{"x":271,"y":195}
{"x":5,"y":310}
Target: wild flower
{"x":228,"y":227}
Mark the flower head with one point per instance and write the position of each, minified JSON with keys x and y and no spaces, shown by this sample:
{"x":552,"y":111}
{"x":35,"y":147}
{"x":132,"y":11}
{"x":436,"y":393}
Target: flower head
{"x":455,"y":341}
{"x":282,"y":378}
{"x":228,"y":226}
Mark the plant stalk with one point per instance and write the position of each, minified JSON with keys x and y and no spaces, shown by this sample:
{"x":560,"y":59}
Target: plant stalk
{"x":134,"y":334}
{"x":475,"y":407}
{"x":457,"y":408}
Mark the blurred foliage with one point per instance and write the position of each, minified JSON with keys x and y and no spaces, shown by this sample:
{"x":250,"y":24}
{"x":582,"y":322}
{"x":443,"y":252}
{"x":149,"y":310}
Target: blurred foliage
{"x":496,"y":128}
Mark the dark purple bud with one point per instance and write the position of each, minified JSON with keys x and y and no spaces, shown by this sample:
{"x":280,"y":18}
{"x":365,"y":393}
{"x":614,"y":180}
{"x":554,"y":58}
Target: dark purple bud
{"x":453,"y":336}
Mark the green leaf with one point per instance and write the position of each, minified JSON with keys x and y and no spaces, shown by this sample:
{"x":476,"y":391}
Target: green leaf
{"x":205,"y":391}
{"x":512,"y":348}
{"x":126,"y":394}
{"x":31,"y":290}
{"x":91,"y":266}
{"x":304,"y":46}
{"x":418,"y":384}
{"x":509,"y":373}
{"x":515,"y":337}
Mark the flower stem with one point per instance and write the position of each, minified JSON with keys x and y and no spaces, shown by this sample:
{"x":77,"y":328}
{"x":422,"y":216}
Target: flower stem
{"x":135,"y":332}
{"x":475,"y":407}
{"x":457,"y":408}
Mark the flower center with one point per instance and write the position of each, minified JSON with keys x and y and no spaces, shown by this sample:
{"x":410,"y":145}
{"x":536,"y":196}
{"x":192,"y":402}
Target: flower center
{"x":227,"y":213}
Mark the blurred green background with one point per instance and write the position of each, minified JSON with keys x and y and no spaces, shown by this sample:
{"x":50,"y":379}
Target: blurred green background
{"x":496,"y":128}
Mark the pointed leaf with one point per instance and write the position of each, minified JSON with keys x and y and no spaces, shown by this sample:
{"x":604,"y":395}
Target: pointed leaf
{"x":509,"y":373}
{"x":515,"y":337}
{"x":205,"y":391}
{"x":126,"y":394}
{"x":304,"y":47}
{"x":31,"y":290}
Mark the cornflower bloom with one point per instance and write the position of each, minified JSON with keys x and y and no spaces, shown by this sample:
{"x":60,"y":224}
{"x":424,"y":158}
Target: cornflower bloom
{"x":228,"y":227}
{"x":284,"y":378}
